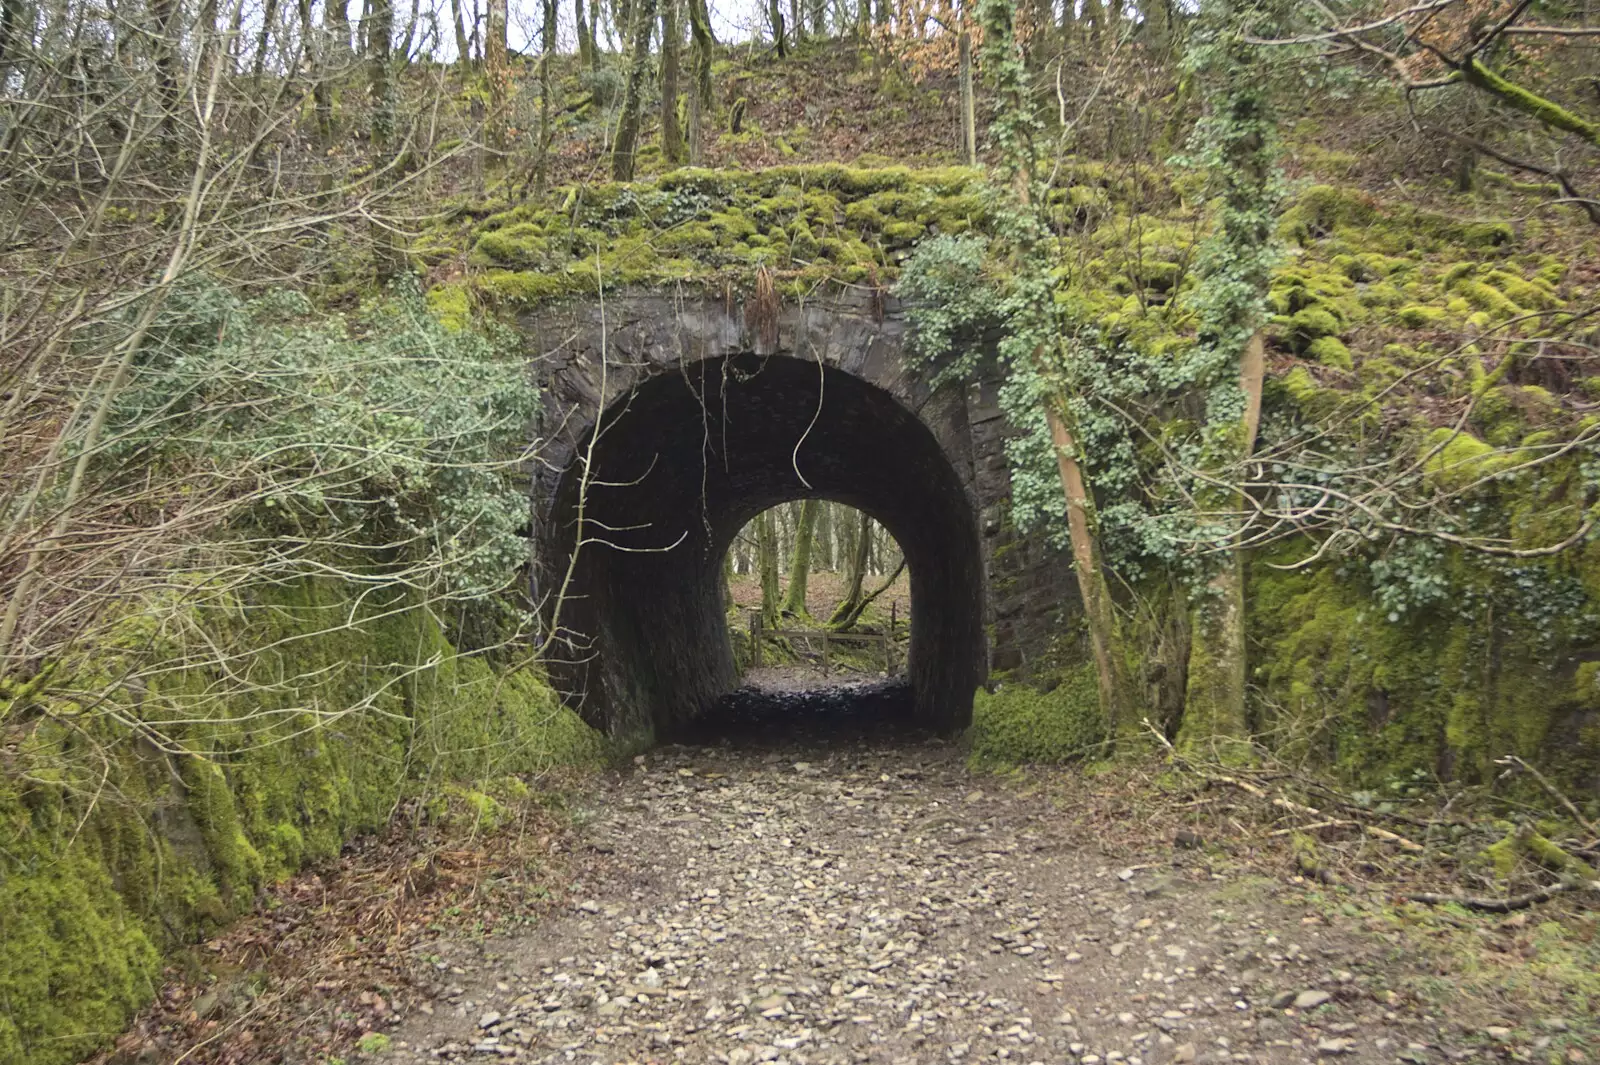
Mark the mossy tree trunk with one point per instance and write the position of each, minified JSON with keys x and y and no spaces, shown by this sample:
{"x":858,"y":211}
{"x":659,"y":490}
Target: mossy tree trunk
{"x":672,"y":146}
{"x":775,"y":16}
{"x":969,"y":106}
{"x":701,"y":43}
{"x":547,"y":51}
{"x":463,"y":46}
{"x":497,"y":68}
{"x":1238,"y":139}
{"x":380,"y":35}
{"x":1214,"y":701}
{"x":860,"y":546}
{"x":623,"y":153}
{"x":794,"y":601}
{"x":1100,"y":613}
{"x":767,"y":563}
{"x":586,"y":50}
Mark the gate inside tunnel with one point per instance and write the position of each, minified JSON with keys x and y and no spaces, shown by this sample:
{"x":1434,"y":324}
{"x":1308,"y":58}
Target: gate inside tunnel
{"x":642,"y":519}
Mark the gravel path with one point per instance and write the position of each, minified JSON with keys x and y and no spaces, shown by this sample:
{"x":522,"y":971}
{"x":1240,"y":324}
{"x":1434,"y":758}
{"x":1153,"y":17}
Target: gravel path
{"x":878,"y":902}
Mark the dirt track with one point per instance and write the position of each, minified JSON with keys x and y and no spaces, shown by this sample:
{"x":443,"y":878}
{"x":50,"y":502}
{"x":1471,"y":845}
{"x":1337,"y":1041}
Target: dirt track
{"x":878,"y":902}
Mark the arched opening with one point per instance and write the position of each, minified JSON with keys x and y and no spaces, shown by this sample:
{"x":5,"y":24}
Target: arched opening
{"x":641,"y":521}
{"x":818,"y":596}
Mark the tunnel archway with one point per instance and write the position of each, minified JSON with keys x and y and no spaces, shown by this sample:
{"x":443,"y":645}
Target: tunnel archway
{"x":642,"y":516}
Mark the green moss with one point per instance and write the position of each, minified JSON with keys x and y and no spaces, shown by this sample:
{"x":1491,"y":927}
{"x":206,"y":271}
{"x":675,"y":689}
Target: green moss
{"x":1454,"y":459}
{"x":1331,"y":351}
{"x":451,"y":304}
{"x":1487,"y":298}
{"x":1019,"y":723}
{"x":803,"y":243}
{"x":74,"y":963}
{"x":1419,"y":316}
{"x":1310,"y":323}
{"x":96,"y":880}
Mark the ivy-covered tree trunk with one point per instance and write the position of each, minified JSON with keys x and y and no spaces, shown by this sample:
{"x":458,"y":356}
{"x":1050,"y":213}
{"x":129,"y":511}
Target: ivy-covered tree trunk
{"x":547,"y":48}
{"x":1236,"y":141}
{"x":1214,"y":715}
{"x":1034,"y":347}
{"x":626,"y":147}
{"x":794,"y":601}
{"x":767,"y":563}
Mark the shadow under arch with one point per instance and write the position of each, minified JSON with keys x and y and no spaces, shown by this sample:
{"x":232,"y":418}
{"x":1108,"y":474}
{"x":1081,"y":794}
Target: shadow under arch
{"x":680,"y":463}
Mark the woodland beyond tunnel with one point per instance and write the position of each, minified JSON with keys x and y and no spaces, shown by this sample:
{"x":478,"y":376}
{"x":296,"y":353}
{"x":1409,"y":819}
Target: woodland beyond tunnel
{"x":677,"y":466}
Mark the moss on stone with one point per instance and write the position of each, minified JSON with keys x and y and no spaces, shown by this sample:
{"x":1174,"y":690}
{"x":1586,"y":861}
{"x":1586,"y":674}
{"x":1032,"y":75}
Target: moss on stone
{"x":96,"y":881}
{"x":1331,"y":351}
{"x":1022,"y":723}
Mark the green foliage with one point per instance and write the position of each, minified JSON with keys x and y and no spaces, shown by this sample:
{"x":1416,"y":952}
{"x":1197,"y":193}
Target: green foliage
{"x":388,"y":429}
{"x":1019,"y":723}
{"x":952,"y":305}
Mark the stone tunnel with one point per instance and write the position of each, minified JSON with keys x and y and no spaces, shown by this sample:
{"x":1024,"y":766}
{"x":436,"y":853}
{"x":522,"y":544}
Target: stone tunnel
{"x":670,"y":423}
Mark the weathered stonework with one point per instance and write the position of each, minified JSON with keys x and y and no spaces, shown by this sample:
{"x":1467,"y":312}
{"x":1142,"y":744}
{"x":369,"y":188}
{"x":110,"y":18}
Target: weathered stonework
{"x":715,"y":410}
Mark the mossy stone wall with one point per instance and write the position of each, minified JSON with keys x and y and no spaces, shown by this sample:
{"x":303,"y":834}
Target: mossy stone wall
{"x":117,"y":846}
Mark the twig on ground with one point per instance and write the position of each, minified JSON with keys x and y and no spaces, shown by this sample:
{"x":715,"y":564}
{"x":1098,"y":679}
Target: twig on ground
{"x":1554,"y":793}
{"x":1505,"y":905}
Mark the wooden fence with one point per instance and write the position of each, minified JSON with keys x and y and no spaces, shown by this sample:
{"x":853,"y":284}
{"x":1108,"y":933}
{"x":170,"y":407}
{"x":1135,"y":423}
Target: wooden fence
{"x":884,"y":640}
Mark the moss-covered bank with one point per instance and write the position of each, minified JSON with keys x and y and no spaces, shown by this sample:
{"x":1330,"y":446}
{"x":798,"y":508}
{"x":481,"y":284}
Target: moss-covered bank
{"x":120,"y":840}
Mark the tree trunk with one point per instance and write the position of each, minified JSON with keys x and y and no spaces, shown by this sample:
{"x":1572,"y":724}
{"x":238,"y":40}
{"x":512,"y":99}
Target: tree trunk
{"x":797,"y":22}
{"x":767,"y":562}
{"x":775,"y":16}
{"x":411,"y":32}
{"x":380,"y":37}
{"x":1158,"y":24}
{"x":463,"y":47}
{"x":1214,"y":699}
{"x":1039,"y":317}
{"x":165,"y":44}
{"x":701,"y":45}
{"x":624,"y":151}
{"x":672,"y":146}
{"x":822,"y":534}
{"x":497,"y":67}
{"x":794,"y":602}
{"x":1105,"y":638}
{"x":12,"y":13}
{"x":850,"y":606}
{"x":336,"y":27}
{"x":1093,"y":16}
{"x":586,"y":55}
{"x":547,"y":50}
{"x":819,"y":18}
{"x":969,"y":107}
{"x":258,"y":66}
{"x":316,"y":61}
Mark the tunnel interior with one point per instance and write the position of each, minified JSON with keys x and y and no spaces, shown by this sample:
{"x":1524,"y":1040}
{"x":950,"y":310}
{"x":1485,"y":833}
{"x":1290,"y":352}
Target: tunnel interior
{"x":641,"y":519}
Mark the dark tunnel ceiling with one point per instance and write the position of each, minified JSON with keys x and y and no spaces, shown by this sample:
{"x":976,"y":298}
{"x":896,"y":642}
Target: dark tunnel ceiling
{"x":680,"y":465}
